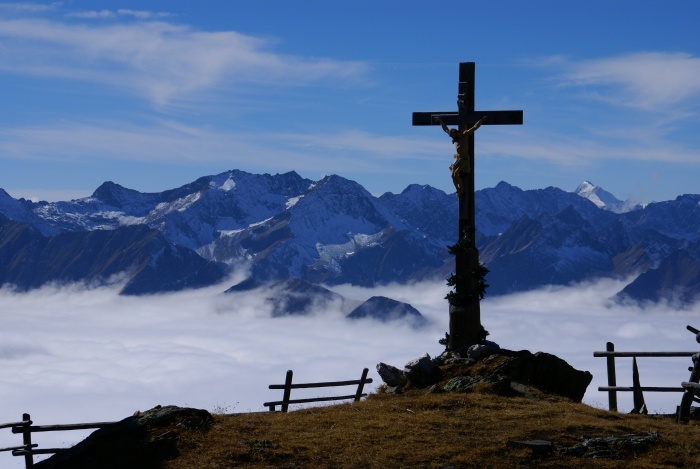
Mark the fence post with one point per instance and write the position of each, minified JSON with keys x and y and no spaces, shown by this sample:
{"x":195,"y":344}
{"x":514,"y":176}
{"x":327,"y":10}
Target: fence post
{"x":287,"y":391}
{"x":27,"y":441}
{"x":612,"y":381}
{"x":361,"y":385}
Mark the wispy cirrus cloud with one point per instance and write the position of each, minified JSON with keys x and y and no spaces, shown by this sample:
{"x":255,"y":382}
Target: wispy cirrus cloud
{"x":22,"y":7}
{"x":158,"y":60}
{"x":354,"y":152}
{"x":109,"y":14}
{"x":578,"y":151}
{"x":167,"y":141}
{"x":645,"y":80}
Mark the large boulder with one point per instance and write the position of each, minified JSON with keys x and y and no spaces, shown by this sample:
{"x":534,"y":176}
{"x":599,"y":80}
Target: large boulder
{"x":391,"y":375}
{"x":142,"y":441}
{"x":483,"y":349}
{"x":515,"y":373}
{"x":422,"y":372}
{"x":546,"y":372}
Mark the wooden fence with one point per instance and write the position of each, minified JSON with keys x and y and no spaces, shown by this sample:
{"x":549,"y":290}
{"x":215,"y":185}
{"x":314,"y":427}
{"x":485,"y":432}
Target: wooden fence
{"x":612,"y":388}
{"x":288,"y":386}
{"x":29,"y":449}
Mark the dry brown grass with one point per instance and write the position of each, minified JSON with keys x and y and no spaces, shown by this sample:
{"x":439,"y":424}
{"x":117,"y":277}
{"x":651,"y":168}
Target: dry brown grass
{"x":432,"y":431}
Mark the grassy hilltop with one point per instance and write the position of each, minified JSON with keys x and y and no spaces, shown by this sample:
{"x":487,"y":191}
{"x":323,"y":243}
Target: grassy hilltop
{"x":443,"y":430}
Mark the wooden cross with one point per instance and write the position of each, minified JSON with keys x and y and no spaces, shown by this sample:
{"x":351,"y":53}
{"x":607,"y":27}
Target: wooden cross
{"x":465,"y":317}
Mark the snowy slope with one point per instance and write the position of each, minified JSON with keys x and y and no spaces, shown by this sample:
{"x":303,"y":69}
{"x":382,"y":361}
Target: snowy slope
{"x":604,"y":199}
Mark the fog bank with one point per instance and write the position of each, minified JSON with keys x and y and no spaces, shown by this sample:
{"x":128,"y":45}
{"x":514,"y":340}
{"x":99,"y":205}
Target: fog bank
{"x":72,"y":354}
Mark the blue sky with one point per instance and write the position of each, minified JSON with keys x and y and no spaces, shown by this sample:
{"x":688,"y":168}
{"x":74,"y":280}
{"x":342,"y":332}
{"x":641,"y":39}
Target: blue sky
{"x":153,"y":94}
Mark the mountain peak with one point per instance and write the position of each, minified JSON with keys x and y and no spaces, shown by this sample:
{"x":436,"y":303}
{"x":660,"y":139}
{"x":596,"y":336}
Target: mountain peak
{"x":504,"y":185}
{"x":386,"y":309}
{"x":602,"y":198}
{"x":112,"y":194}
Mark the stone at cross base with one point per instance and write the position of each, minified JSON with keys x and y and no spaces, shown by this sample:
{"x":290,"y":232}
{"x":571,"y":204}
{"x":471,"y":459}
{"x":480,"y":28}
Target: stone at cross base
{"x":497,"y":371}
{"x":465,"y":315}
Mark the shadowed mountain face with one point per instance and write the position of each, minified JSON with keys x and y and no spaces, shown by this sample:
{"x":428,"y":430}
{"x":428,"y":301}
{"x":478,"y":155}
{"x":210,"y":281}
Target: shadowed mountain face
{"x":293,"y":296}
{"x":333,"y":231}
{"x":676,"y":279}
{"x":142,"y":255}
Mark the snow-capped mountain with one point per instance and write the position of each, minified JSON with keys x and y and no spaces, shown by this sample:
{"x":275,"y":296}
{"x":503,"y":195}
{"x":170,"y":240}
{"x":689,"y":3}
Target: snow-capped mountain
{"x":604,"y":199}
{"x":333,"y":231}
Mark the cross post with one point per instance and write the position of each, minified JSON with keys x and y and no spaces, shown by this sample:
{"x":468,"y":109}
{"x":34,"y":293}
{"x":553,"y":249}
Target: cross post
{"x":465,"y":313}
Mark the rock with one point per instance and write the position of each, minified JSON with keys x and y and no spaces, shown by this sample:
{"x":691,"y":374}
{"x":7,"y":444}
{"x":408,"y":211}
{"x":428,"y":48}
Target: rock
{"x":556,"y":376}
{"x":483,"y":349}
{"x":392,"y":376}
{"x":524,"y":391}
{"x":613,"y":447}
{"x":461,"y":384}
{"x":546,"y":372}
{"x":510,"y":373}
{"x":422,"y":372}
{"x":541,"y":447}
{"x":449,"y":357}
{"x":394,"y":389}
{"x":435,"y":389}
{"x":141,"y":441}
{"x":495,"y":384}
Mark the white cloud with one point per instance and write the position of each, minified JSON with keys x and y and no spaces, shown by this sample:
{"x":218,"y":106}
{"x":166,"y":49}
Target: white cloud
{"x":568,"y":149}
{"x":172,"y":142}
{"x":111,"y":14}
{"x":93,"y":14}
{"x":72,"y":355}
{"x":143,"y":14}
{"x":657,"y":81}
{"x":158,"y":60}
{"x":18,"y":7}
{"x":354,"y":142}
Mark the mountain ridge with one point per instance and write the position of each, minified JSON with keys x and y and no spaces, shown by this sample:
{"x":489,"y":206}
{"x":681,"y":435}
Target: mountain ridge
{"x":334,"y":231}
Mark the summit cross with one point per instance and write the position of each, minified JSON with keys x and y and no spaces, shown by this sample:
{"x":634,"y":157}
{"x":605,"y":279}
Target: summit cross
{"x":465,"y":314}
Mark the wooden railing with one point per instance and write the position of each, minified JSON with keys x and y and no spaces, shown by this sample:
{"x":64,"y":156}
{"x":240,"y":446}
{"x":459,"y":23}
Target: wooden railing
{"x":612,"y":388}
{"x":288,"y":386}
{"x":29,"y":449}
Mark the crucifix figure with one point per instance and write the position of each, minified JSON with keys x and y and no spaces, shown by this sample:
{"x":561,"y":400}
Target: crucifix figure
{"x":465,"y":316}
{"x":462,"y":159}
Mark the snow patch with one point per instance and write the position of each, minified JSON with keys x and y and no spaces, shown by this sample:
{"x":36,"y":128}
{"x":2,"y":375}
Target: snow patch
{"x":230,"y":184}
{"x":260,"y":223}
{"x":228,"y":233}
{"x":291,"y":202}
{"x":179,"y":205}
{"x":331,"y":254}
{"x":127,"y":220}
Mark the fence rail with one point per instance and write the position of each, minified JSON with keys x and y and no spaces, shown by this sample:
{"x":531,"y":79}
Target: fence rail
{"x":29,"y":449}
{"x":25,"y":426}
{"x":612,"y":388}
{"x":288,"y":386}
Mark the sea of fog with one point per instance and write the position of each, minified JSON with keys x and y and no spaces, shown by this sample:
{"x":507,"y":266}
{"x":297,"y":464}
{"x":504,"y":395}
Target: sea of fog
{"x":76,"y":354}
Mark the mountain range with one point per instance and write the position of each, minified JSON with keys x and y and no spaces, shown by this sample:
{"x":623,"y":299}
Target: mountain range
{"x":333,"y":231}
